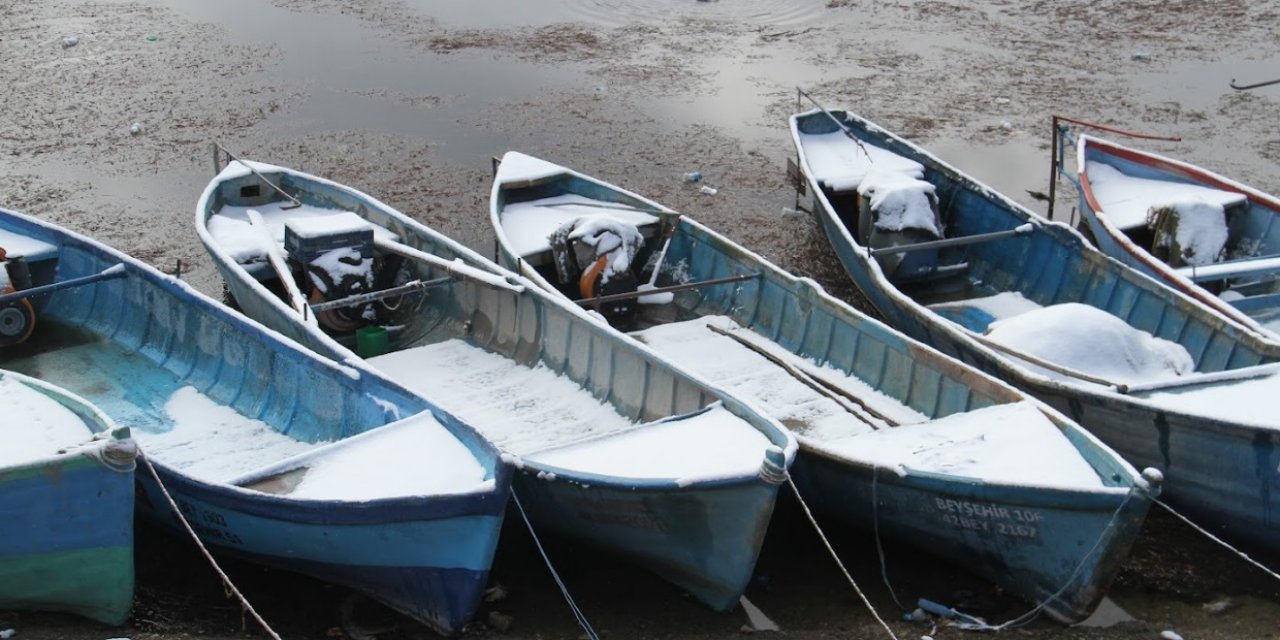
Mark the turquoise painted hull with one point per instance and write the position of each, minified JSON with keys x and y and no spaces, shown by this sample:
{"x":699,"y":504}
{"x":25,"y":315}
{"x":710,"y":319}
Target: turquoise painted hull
{"x":66,"y":523}
{"x":1031,"y":538}
{"x":1223,"y":472}
{"x":129,"y":344}
{"x":703,"y":536}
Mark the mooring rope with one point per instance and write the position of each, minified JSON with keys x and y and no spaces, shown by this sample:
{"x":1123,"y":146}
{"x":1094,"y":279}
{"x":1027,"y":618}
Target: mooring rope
{"x":875,"y":521}
{"x":573,"y":606}
{"x":1218,"y":540}
{"x":840,"y":564}
{"x":226,"y":581}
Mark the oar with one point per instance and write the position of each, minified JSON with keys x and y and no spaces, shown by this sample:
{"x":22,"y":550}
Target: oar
{"x":626,"y":295}
{"x":456,"y":268}
{"x":847,"y":131}
{"x":110,"y":273}
{"x":294,"y":202}
{"x":278,"y":264}
{"x":823,"y":387}
{"x":662,"y":255}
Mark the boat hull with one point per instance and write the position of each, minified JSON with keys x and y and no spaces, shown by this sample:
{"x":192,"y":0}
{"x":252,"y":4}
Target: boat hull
{"x":1202,"y":458}
{"x":1032,"y":557}
{"x":130,"y":344}
{"x":68,"y":532}
{"x":703,"y":536}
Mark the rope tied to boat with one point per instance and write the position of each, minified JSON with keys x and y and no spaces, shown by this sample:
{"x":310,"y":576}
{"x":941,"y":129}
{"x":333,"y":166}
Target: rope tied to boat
{"x":831,"y":550}
{"x":564,"y":591}
{"x":230,"y":587}
{"x":1218,"y":540}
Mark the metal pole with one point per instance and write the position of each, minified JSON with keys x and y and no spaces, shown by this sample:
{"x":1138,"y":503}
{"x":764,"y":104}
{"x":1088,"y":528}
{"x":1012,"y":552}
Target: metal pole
{"x":587,"y":302}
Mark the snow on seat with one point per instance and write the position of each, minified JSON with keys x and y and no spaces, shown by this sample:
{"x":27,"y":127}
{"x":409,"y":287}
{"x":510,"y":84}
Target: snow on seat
{"x":1126,"y":199}
{"x":900,"y":201}
{"x":30,"y":249}
{"x":529,"y":225}
{"x":841,"y":164}
{"x":231,"y":229}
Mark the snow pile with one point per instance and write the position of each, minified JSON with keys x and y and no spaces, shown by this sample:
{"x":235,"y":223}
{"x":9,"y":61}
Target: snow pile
{"x":1126,"y":200}
{"x":841,"y":163}
{"x":900,"y":200}
{"x":1092,"y":341}
{"x":528,"y":225}
{"x":1199,"y":230}
{"x":231,"y":229}
{"x":35,"y":425}
{"x":608,"y":236}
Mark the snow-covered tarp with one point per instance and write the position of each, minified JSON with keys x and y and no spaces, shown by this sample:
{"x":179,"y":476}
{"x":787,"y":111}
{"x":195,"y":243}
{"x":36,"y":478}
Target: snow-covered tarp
{"x":901,"y":201}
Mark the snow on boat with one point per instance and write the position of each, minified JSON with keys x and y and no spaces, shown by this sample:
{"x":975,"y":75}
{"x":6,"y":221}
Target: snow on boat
{"x":614,"y":443}
{"x":939,"y":454}
{"x":1207,"y":236}
{"x":66,"y":504}
{"x":271,"y":452}
{"x":1153,"y":373}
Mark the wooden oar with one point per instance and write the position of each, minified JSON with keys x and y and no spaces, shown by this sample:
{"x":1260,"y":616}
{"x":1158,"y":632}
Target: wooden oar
{"x":823,"y":387}
{"x":110,"y":273}
{"x":278,"y":264}
{"x":455,"y":268}
{"x":662,"y":255}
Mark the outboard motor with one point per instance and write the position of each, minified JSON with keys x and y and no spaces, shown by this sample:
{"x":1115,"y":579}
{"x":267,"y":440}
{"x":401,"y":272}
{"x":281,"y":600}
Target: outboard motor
{"x":897,"y":209}
{"x":593,"y":258}
{"x":17,"y":317}
{"x":336,"y":252}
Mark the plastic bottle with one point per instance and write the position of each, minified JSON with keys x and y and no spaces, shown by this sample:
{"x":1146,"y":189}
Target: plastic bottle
{"x":707,"y":190}
{"x":693,"y":176}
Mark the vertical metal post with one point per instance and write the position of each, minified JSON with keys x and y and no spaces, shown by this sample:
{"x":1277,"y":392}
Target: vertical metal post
{"x":1053,"y":167}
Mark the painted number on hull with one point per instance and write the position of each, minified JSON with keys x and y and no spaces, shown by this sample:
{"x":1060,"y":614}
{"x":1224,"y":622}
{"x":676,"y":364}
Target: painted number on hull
{"x":1018,"y":524}
{"x":208,"y":524}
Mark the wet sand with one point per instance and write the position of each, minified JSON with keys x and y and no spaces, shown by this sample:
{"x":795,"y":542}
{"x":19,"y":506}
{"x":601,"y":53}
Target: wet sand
{"x":409,"y":102}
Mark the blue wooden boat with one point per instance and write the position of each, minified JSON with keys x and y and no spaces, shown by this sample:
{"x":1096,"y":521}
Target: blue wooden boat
{"x":1029,"y":301}
{"x":881,"y":419}
{"x":66,"y":504}
{"x":1205,"y":235}
{"x":270,"y":451}
{"x":610,"y":439}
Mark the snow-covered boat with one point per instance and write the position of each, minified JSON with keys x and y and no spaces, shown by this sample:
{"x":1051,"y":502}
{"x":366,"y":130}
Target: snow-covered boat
{"x":893,"y":435}
{"x":615,"y":445}
{"x":1205,"y":235}
{"x":1153,"y":373}
{"x":66,"y":503}
{"x":270,"y":451}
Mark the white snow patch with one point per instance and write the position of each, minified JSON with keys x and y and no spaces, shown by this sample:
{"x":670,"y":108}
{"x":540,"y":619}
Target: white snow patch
{"x":1201,"y":230}
{"x":1013,"y":443}
{"x":710,"y":444}
{"x":841,"y":163}
{"x":518,"y":167}
{"x":36,"y":426}
{"x":529,"y":225}
{"x":616,"y":240}
{"x":231,"y":229}
{"x":901,"y":201}
{"x":1092,"y":341}
{"x":1126,"y":199}
{"x":528,"y":410}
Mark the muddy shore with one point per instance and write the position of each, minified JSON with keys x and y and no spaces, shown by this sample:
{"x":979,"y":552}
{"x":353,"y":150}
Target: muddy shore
{"x":409,"y":102}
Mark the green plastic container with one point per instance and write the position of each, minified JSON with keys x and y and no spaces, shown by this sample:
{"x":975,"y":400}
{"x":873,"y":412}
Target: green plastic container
{"x":371,"y":341}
